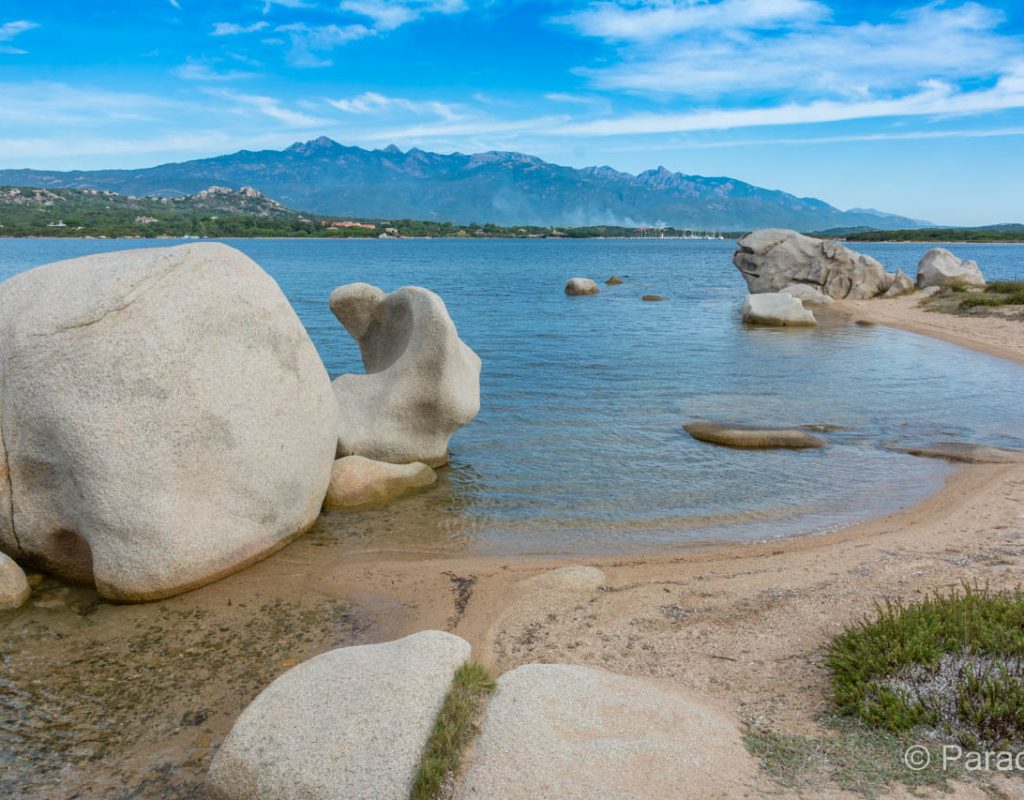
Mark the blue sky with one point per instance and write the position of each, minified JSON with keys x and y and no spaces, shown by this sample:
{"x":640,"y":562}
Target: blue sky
{"x":912,"y":108}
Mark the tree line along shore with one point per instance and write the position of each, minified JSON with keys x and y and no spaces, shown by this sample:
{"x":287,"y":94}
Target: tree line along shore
{"x":220,"y":212}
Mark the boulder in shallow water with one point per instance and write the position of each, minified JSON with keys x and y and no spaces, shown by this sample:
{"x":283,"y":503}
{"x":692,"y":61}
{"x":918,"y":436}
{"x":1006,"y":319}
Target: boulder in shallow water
{"x":614,"y":280}
{"x":807,"y":294}
{"x":422,"y":382}
{"x":779,"y":309}
{"x":900,"y":285}
{"x":750,"y":436}
{"x":939,"y":267}
{"x":166,"y":419}
{"x":653,"y":298}
{"x":14,"y":588}
{"x":357,"y":482}
{"x":774,"y":258}
{"x":350,"y":723}
{"x":580,"y":286}
{"x":582,"y":733}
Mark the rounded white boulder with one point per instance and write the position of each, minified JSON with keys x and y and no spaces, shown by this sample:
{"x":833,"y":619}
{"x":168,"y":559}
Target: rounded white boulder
{"x":939,"y":267}
{"x":776,"y":308}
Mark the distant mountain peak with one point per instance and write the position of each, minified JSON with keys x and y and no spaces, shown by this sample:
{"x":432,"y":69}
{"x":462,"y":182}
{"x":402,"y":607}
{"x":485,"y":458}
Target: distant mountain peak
{"x":509,"y":188}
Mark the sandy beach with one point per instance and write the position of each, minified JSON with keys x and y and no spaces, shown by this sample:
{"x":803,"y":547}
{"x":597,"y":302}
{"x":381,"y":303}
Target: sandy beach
{"x":744,"y":624}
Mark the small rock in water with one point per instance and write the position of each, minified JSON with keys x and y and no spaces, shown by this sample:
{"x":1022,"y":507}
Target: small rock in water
{"x":357,"y":482}
{"x":652,"y":298}
{"x":580,"y":286}
{"x":614,"y":280}
{"x":966,"y":452}
{"x":748,"y":436}
{"x":777,"y":309}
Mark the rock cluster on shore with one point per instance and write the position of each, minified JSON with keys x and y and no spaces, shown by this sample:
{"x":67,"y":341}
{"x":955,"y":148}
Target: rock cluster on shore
{"x":167,"y":420}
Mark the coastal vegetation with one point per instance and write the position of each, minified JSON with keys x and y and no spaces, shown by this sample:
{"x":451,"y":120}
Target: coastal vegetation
{"x":454,"y":727}
{"x":988,"y":233}
{"x":996,"y":294}
{"x":951,"y":665}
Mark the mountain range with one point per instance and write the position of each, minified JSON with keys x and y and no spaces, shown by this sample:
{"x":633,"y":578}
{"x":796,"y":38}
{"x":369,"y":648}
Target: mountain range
{"x":324,"y":177}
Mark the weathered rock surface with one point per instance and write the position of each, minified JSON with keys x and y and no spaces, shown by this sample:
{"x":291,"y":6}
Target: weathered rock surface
{"x":774,"y":258}
{"x":580,"y":286}
{"x":939,"y":267}
{"x":900,"y":285}
{"x":14,"y":588}
{"x":357,"y":482}
{"x":349,"y":724}
{"x":966,"y":452}
{"x":807,"y":294}
{"x":748,"y":436}
{"x":931,"y":291}
{"x":581,"y":733}
{"x":777,"y":309}
{"x":422,"y":382}
{"x":614,"y":280}
{"x":166,"y":419}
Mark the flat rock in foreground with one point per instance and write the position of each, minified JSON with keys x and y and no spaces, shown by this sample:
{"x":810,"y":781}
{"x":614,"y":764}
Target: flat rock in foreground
{"x":748,"y":436}
{"x":581,"y":733}
{"x":350,"y":724}
{"x":166,"y":419}
{"x":774,"y":258}
{"x":966,"y":453}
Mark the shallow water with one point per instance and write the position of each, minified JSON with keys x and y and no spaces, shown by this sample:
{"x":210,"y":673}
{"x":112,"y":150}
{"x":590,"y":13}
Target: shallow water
{"x":579,"y":447}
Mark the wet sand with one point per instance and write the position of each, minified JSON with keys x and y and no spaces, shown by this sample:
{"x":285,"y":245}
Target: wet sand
{"x":131,"y":701}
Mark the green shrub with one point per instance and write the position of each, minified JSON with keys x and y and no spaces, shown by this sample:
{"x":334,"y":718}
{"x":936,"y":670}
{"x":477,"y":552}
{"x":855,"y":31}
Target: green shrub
{"x":953,"y":663}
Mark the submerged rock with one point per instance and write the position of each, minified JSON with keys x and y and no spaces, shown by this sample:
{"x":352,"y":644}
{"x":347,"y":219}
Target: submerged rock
{"x":582,"y":733}
{"x":966,"y":452}
{"x":166,"y":419}
{"x":357,"y":482}
{"x":939,"y":267}
{"x":614,"y":280}
{"x":422,"y":382}
{"x":778,"y":309}
{"x":653,"y":298}
{"x":807,"y":294}
{"x":774,"y":258}
{"x":748,"y":436}
{"x":900,"y":285}
{"x":14,"y":588}
{"x":580,"y":286}
{"x":350,"y":723}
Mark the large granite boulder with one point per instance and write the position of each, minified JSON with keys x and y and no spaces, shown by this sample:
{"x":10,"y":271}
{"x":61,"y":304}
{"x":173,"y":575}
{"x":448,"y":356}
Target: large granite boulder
{"x":939,"y":267}
{"x":807,"y":294}
{"x":166,"y":419}
{"x":358,"y":482}
{"x":14,"y":588}
{"x":776,"y":308}
{"x":774,"y":258}
{"x":582,"y":733}
{"x":422,"y":382}
{"x":899,"y":285}
{"x":350,"y":724}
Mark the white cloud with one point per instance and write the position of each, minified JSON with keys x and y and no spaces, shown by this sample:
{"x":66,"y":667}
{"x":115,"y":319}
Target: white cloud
{"x":268,"y":5}
{"x":199,"y":71}
{"x":175,"y":4}
{"x":232,"y":29}
{"x":11,"y":29}
{"x":933,"y":98}
{"x":272,"y":107}
{"x":43,"y":104}
{"x":812,"y":58}
{"x":390,"y":14}
{"x":308,"y":40}
{"x":661,"y":19}
{"x":374,"y":103}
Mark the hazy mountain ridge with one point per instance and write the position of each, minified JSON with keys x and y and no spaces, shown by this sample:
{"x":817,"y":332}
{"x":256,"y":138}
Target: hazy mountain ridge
{"x":508,"y":188}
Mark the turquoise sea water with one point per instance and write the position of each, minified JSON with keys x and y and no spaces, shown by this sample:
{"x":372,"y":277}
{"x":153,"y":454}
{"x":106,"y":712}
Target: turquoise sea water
{"x":579,"y":446}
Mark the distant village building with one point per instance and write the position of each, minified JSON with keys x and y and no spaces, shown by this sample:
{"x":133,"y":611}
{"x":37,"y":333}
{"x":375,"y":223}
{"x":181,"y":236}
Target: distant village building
{"x":58,"y":224}
{"x":143,"y":220}
{"x":347,"y":223}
